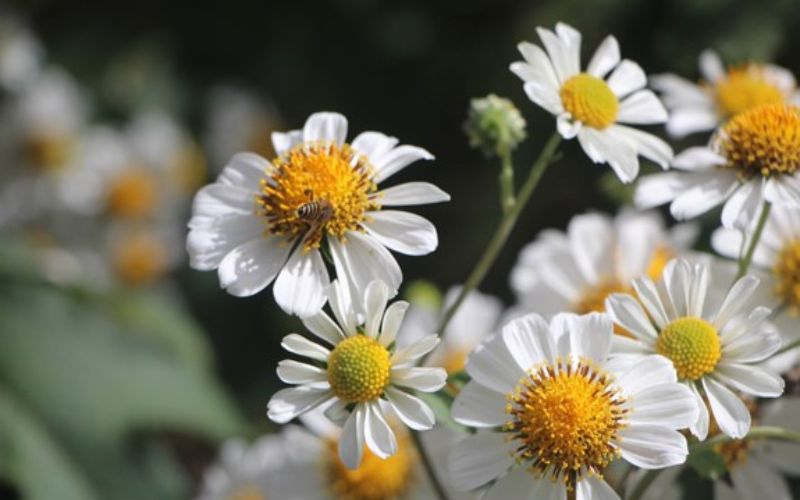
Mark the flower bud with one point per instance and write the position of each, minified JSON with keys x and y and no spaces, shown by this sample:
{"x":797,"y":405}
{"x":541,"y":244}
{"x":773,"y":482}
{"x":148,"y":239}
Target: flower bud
{"x":494,"y":125}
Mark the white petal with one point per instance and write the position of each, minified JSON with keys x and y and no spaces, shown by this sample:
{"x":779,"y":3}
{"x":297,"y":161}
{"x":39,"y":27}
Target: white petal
{"x":374,"y":145}
{"x":302,"y":284}
{"x":378,"y":435}
{"x":642,"y":108}
{"x":753,"y":480}
{"x":223,"y":201}
{"x":403,"y":232}
{"x":626,"y":312}
{"x":677,"y":280}
{"x":751,"y":348}
{"x":571,"y":38}
{"x":729,"y":411}
{"x":421,"y":379}
{"x":626,"y":78}
{"x":699,"y":428}
{"x":590,"y":336}
{"x":342,"y":306}
{"x":529,"y":342}
{"x":252,"y":266}
{"x":479,"y":406}
{"x":245,"y":170}
{"x":737,"y":297}
{"x":324,"y":327}
{"x":491,"y":364}
{"x":414,"y":412}
{"x":294,"y":372}
{"x":392,"y":321}
{"x":375,"y":299}
{"x":605,"y":58}
{"x":649,"y":371}
{"x":749,"y":379}
{"x":362,"y":259}
{"x":783,"y":191}
{"x":701,"y":198}
{"x":645,"y":144}
{"x":558,"y":52}
{"x":711,"y":66}
{"x":336,"y":413}
{"x":668,"y":405}
{"x":398,"y":159}
{"x":301,"y":346}
{"x":649,"y":296}
{"x":351,"y":442}
{"x":540,"y":65}
{"x":325,"y":127}
{"x":413,"y":352}
{"x":567,"y":126}
{"x":286,"y":404}
{"x":520,"y":484}
{"x":652,"y":446}
{"x":478,"y":459}
{"x":283,"y":142}
{"x":591,"y":238}
{"x":209,"y":244}
{"x":411,"y":193}
{"x":602,"y":147}
{"x":688,"y":120}
{"x":540,"y":94}
{"x":739,"y":211}
{"x":698,"y":158}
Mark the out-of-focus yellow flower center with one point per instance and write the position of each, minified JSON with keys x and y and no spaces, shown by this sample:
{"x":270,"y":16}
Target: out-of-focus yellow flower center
{"x":593,"y":299}
{"x":375,"y":479}
{"x":787,"y":274}
{"x":734,"y":452}
{"x":133,"y":194}
{"x":658,"y":261}
{"x":188,"y":169}
{"x":744,"y":88}
{"x":762,"y":141}
{"x":359,"y":369}
{"x":139,"y":259}
{"x":692,"y":344}
{"x":454,"y":361}
{"x":247,"y":492}
{"x":48,"y":152}
{"x":317,"y":189}
{"x":564,"y":421}
{"x":589,"y":100}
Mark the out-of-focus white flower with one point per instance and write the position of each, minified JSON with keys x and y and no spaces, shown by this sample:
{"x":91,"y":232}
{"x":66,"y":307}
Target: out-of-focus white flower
{"x":722,"y":93}
{"x":263,"y":221}
{"x":590,"y":106}
{"x":20,"y":53}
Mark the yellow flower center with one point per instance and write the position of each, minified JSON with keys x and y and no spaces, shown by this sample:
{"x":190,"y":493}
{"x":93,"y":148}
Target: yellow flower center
{"x":762,"y":141}
{"x":375,"y":479}
{"x":133,"y":194}
{"x":658,"y":261}
{"x":745,"y":88}
{"x":358,"y":369}
{"x":48,"y":152}
{"x":589,"y":100}
{"x":139,"y":259}
{"x":593,"y":299}
{"x":564,"y":420}
{"x":317,"y":189}
{"x":787,"y":274}
{"x":692,"y":344}
{"x":247,"y":492}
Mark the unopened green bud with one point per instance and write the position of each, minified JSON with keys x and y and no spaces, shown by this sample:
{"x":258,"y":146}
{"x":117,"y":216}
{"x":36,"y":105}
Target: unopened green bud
{"x":494,"y":125}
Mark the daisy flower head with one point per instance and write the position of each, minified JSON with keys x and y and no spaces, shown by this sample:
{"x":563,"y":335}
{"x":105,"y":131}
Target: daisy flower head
{"x":557,"y":414}
{"x":358,"y":369}
{"x":715,"y":350}
{"x":754,"y":157}
{"x":597,"y":255}
{"x":722,"y":93}
{"x":595,"y":105}
{"x":269,"y":220}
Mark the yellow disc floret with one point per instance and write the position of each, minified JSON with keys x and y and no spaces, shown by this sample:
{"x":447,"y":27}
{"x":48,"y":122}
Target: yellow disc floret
{"x":375,"y":479}
{"x":317,"y":189}
{"x":589,"y":100}
{"x":692,"y":344}
{"x":133,"y":194}
{"x":787,"y":274}
{"x":358,"y":369}
{"x":564,"y":420}
{"x":744,"y":88}
{"x":763,"y":141}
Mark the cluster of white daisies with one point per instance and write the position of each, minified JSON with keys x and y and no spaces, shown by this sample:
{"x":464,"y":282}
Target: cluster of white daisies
{"x":625,"y":350}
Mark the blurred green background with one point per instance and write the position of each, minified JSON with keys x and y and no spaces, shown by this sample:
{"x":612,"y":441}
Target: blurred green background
{"x":176,"y":381}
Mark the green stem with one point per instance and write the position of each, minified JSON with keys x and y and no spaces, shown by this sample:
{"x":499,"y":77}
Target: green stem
{"x":503,"y":231}
{"x":506,"y":180}
{"x":644,"y":483}
{"x":747,"y":258}
{"x":428,"y":465}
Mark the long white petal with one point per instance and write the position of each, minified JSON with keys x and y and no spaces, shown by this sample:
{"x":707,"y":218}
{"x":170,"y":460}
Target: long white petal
{"x":605,"y":58}
{"x":252,"y":266}
{"x":286,"y":404}
{"x":642,"y":108}
{"x":325,"y":126}
{"x":750,"y":379}
{"x":294,"y":372}
{"x":419,"y":378}
{"x":351,"y":442}
{"x":626,"y":78}
{"x":653,"y":446}
{"x":377,"y":434}
{"x":324,"y":327}
{"x":479,"y":406}
{"x":302,"y":284}
{"x":392,"y":320}
{"x":478,"y":459}
{"x":411,"y":193}
{"x":414,"y":412}
{"x":729,"y":411}
{"x":402,"y":232}
{"x":375,"y":299}
{"x":301,"y":346}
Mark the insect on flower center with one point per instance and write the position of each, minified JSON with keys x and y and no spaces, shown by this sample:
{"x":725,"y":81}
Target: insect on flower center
{"x":745,"y":88}
{"x":358,"y":369}
{"x":590,"y":100}
{"x":762,"y":141}
{"x":564,"y":420}
{"x":375,"y":479}
{"x":692,"y":344}
{"x":133,"y":194}
{"x":316,"y":189}
{"x":247,"y":492}
{"x":787,"y":274}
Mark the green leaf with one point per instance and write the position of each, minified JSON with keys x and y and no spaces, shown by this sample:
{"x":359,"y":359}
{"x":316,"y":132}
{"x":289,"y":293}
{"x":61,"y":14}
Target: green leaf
{"x":33,"y":460}
{"x":707,"y":462}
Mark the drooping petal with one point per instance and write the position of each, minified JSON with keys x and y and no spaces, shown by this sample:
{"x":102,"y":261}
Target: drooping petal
{"x":729,"y":411}
{"x":351,"y":442}
{"x":250,"y":267}
{"x":302,"y":284}
{"x":377,"y":434}
{"x":414,"y":412}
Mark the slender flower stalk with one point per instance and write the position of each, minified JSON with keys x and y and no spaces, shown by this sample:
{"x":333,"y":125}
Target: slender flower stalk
{"x":427,"y":464}
{"x":747,"y":258}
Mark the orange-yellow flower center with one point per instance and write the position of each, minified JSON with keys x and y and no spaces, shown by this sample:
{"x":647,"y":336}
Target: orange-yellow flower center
{"x":375,"y":479}
{"x":658,"y":261}
{"x":787,"y":274}
{"x":692,"y":344}
{"x":247,"y":492}
{"x":589,"y":100}
{"x":317,"y":189}
{"x":139,"y":259}
{"x":762,"y":141}
{"x":133,"y":194}
{"x":744,"y":88}
{"x":565,"y":419}
{"x":359,"y":369}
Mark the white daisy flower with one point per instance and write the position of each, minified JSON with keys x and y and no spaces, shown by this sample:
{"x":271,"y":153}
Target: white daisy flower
{"x":590,"y":106}
{"x":362,"y":369}
{"x":263,"y":221}
{"x":271,"y":467}
{"x":598,"y":255}
{"x":712,"y":352}
{"x":21,"y":53}
{"x":722,"y":93}
{"x":752,"y":158}
{"x":563,"y":413}
{"x":776,"y":261}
